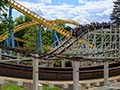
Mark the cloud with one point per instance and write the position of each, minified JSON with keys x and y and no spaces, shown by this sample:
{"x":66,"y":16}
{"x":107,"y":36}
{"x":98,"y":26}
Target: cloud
{"x":106,"y":12}
{"x":45,"y":1}
{"x":82,"y":1}
{"x":97,"y":5}
{"x":89,"y":11}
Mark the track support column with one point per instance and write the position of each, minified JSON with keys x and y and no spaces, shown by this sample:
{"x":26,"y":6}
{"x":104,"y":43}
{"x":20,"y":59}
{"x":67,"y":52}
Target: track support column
{"x":55,"y":39}
{"x":0,"y":87}
{"x":106,"y":76}
{"x":28,"y":86}
{"x":39,"y":41}
{"x":63,"y":63}
{"x":18,"y":58}
{"x":35,"y":73}
{"x":11,"y":34}
{"x":19,"y":83}
{"x":0,"y":54}
{"x":1,"y":83}
{"x":75,"y":75}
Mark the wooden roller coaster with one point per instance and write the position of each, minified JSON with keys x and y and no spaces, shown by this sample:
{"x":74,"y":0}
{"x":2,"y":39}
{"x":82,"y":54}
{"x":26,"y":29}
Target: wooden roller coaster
{"x":56,"y":74}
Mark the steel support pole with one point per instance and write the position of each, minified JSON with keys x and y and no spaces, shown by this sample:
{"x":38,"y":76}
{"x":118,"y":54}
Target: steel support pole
{"x":35,"y":73}
{"x":55,"y":39}
{"x":6,"y":42}
{"x":17,"y":43}
{"x":106,"y":76}
{"x":75,"y":75}
{"x":40,"y":38}
{"x":11,"y":34}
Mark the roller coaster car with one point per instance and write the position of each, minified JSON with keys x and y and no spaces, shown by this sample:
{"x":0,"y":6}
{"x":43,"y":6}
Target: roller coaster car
{"x":106,"y":25}
{"x":77,"y":31}
{"x":94,"y":25}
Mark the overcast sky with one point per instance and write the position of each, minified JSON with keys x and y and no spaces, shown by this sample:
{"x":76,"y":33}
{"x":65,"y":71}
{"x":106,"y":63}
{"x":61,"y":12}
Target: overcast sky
{"x":82,"y":11}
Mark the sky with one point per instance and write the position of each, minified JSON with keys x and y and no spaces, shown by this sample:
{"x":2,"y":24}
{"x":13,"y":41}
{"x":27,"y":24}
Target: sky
{"x":82,"y":11}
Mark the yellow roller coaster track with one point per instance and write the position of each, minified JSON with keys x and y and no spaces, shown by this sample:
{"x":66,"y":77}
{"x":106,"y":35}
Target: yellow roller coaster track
{"x":65,"y":21}
{"x":20,"y":40}
{"x":32,"y":23}
{"x":37,"y":18}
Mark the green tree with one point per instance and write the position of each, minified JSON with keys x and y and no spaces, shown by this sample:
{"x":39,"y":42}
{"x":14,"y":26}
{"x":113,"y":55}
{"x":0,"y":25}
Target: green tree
{"x":21,"y":20}
{"x":3,"y":16}
{"x":4,"y":25}
{"x":115,"y":16}
{"x":31,"y":37}
{"x":3,"y":7}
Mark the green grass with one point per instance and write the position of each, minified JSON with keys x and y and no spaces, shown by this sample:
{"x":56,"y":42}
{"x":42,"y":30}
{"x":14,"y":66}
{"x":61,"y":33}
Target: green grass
{"x":15,"y":87}
{"x":54,"y":88}
{"x":11,"y":87}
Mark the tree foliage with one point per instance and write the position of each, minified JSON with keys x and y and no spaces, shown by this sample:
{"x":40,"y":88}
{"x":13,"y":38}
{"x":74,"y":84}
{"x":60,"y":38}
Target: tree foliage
{"x":3,"y":7}
{"x":4,"y":21}
{"x":4,"y":24}
{"x":21,"y":20}
{"x":115,"y":16}
{"x":30,"y":34}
